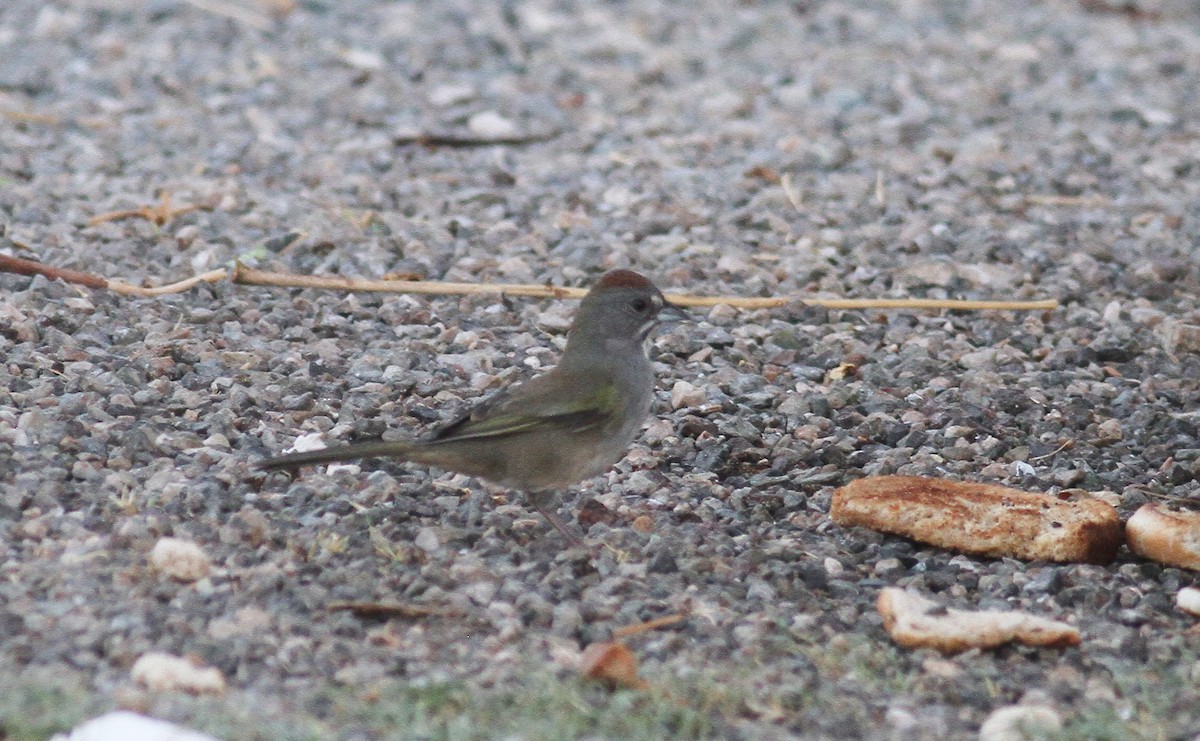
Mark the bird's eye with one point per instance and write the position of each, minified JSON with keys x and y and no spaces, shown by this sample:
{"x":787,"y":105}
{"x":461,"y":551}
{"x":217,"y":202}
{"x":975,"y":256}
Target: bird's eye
{"x":639,"y":304}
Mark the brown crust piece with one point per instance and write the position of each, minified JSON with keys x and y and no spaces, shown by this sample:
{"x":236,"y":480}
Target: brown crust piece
{"x":984,"y":519}
{"x":1168,"y":537}
{"x":916,"y":622}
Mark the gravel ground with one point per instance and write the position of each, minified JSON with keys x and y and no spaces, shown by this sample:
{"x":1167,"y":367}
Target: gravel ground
{"x":867,"y":149}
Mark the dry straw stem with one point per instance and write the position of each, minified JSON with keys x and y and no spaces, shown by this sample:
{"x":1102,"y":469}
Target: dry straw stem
{"x":649,"y":625}
{"x":20,"y":266}
{"x":159,"y":214}
{"x":249,"y":276}
{"x":393,"y":609}
{"x":235,"y":11}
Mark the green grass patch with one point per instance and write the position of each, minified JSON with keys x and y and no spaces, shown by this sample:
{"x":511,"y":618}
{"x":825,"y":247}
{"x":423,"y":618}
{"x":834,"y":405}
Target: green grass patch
{"x":36,"y":706}
{"x":532,"y":708}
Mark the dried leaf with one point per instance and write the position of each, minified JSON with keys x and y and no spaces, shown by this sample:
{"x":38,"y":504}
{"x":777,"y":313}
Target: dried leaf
{"x":613,"y":664}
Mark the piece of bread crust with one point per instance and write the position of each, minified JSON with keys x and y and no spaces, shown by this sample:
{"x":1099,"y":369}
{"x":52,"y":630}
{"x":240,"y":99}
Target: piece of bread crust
{"x":1168,"y":537}
{"x":916,"y":622}
{"x":983,"y":519}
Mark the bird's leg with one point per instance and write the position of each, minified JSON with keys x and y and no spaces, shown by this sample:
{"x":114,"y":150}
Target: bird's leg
{"x":546,"y":503}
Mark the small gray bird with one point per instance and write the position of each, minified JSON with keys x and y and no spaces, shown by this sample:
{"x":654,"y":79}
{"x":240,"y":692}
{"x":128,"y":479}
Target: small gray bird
{"x":568,"y":424}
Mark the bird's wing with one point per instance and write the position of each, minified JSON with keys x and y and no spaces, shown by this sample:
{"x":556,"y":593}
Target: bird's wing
{"x":542,"y":404}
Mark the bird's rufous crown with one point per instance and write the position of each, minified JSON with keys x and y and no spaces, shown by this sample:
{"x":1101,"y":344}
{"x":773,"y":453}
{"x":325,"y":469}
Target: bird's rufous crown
{"x":623,"y":279}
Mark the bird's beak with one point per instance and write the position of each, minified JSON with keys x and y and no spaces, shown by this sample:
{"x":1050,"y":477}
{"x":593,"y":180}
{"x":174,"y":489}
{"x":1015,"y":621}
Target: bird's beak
{"x":674,"y":313}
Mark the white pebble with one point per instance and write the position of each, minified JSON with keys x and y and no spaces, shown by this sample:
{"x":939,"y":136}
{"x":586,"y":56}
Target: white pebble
{"x":444,"y":95}
{"x":161,"y":672}
{"x":363,"y":59}
{"x":305,"y":443}
{"x":491,"y":125}
{"x":1188,"y":600}
{"x":427,"y":540}
{"x":123,"y":725}
{"x":1020,"y":722}
{"x":833,"y":568}
{"x":684,"y":394}
{"x":180,"y":559}
{"x":1112,"y":312}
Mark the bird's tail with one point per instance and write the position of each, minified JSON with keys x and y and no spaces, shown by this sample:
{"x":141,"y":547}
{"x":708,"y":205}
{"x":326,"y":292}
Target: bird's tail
{"x":376,"y":449}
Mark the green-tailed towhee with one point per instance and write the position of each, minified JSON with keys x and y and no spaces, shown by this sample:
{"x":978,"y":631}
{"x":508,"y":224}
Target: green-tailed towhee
{"x":571,"y":423}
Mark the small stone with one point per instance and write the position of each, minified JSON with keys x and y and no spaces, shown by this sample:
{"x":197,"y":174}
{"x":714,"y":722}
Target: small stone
{"x":941,"y":668}
{"x":1021,"y":468}
{"x":363,"y":59}
{"x":446,"y":95}
{"x":643,"y":524}
{"x":804,"y":624}
{"x":812,"y":575}
{"x":1112,"y":312}
{"x":593,"y":511}
{"x":1020,"y":722}
{"x":759,"y":589}
{"x":722,"y":313}
{"x":481,"y":592}
{"x":663,"y":563}
{"x":566,"y":620}
{"x":931,"y":273}
{"x":161,"y":672}
{"x":885,"y":566}
{"x":901,"y":719}
{"x":1188,"y":600}
{"x":186,"y":235}
{"x":556,"y":319}
{"x":735,"y":264}
{"x":979,"y":148}
{"x":248,"y":620}
{"x":1068,"y":476}
{"x":986,"y":275}
{"x":979,"y":358}
{"x":1018,"y":52}
{"x":1178,"y":337}
{"x":427,"y":540}
{"x":684,"y":394}
{"x":217,"y":441}
{"x":180,"y":559}
{"x":834,"y":568}
{"x":1109,"y":431}
{"x":491,"y":125}
{"x":306,"y":443}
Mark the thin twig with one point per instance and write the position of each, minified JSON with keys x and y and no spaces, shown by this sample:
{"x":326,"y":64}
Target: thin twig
{"x":1128,"y":8}
{"x":159,"y":214}
{"x":30,"y":117}
{"x":1053,"y":199}
{"x":649,"y":625}
{"x":21,"y":266}
{"x":128,"y":289}
{"x":393,"y":609}
{"x":1066,"y":444}
{"x":252,"y":277}
{"x":1048,"y":304}
{"x":52,"y":119}
{"x":464,"y":141}
{"x":235,"y":12}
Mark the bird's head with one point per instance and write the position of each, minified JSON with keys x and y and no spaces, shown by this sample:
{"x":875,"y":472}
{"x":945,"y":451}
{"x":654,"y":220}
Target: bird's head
{"x":622,"y":306}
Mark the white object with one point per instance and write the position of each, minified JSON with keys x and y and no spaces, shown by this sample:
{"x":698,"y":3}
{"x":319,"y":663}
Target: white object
{"x":126,"y":726}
